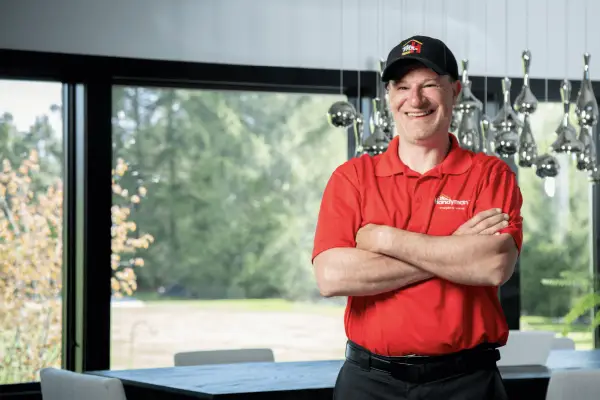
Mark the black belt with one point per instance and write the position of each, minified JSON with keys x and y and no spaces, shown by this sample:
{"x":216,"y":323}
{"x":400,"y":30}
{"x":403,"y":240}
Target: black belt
{"x":425,"y":369}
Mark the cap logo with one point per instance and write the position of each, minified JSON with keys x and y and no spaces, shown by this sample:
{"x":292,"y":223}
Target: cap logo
{"x":413,"y":46}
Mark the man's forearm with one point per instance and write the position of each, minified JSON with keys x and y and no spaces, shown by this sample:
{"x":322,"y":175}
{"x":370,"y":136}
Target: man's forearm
{"x":469,"y":259}
{"x":355,"y":272}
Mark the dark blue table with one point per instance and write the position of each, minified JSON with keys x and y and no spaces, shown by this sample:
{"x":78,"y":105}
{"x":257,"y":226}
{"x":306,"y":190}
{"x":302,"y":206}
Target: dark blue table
{"x":307,"y":380}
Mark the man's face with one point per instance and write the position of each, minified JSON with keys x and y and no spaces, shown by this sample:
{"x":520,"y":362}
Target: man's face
{"x":421,"y":102}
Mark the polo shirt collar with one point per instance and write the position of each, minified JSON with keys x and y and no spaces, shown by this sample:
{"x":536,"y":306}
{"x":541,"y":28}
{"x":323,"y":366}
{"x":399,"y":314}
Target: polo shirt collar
{"x":458,"y":161}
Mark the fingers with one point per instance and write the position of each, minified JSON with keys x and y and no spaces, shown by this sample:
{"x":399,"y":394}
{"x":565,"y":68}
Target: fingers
{"x":482,"y":216}
{"x":491,"y":221}
{"x":486,"y":222}
{"x":495,"y":228}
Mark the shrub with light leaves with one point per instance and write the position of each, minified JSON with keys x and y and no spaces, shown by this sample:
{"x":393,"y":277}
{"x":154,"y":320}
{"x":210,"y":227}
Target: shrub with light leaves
{"x":31,"y":266}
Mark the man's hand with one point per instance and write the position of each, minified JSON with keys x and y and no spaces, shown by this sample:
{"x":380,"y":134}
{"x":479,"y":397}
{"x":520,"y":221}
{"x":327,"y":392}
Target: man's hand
{"x":368,"y":237}
{"x":487,"y":222}
{"x":471,"y":260}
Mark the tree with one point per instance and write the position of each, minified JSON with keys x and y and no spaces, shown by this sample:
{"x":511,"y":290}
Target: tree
{"x":31,"y":248}
{"x":236,"y":184}
{"x":556,"y":228}
{"x":30,"y":273}
{"x":124,"y":280}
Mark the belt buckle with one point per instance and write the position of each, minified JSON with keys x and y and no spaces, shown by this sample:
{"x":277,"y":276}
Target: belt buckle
{"x":406,"y":371}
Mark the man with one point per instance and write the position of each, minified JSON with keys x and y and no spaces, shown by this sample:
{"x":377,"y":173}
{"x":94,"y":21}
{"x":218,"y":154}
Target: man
{"x":419,"y":239}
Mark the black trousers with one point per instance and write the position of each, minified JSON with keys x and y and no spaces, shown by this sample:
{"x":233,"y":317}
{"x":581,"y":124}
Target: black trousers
{"x":474,"y":377}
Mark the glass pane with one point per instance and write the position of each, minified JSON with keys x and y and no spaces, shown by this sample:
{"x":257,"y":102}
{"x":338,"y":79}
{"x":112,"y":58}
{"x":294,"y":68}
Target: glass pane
{"x":555,"y":262}
{"x":216,"y":195}
{"x":30,"y":229}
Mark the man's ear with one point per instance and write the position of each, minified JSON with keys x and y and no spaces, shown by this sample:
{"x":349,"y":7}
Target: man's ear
{"x":456,"y":88}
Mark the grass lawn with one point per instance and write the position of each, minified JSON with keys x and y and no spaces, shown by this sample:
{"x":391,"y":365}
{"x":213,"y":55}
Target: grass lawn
{"x":280,"y":305}
{"x":149,"y":336}
{"x":581,"y":334}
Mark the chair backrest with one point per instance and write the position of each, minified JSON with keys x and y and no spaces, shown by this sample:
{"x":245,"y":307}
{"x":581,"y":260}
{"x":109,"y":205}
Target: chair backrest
{"x":59,"y":384}
{"x":563,"y":343}
{"x":574,"y":384}
{"x":232,"y":356}
{"x":526,"y":348}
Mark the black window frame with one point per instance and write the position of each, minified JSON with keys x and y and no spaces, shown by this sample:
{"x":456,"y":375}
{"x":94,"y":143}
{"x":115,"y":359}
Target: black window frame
{"x":88,"y":82}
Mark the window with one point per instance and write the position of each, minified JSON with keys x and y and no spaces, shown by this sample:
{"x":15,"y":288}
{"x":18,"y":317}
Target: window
{"x":215,"y":200}
{"x":30,"y":229}
{"x":555,"y":262}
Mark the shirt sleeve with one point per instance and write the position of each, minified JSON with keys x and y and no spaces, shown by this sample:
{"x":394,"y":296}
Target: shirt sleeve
{"x":501,"y":190}
{"x":339,"y":215}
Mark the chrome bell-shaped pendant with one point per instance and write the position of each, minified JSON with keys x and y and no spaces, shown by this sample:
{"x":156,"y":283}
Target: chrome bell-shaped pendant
{"x":527,"y":148}
{"x":506,"y":143}
{"x":358,"y":135}
{"x":341,"y":114}
{"x":586,"y":158}
{"x":526,"y":102}
{"x":386,"y":122}
{"x":547,"y":166}
{"x":468,"y":134}
{"x":567,"y":141}
{"x":466,"y":101}
{"x":586,"y":106}
{"x":381,"y":117}
{"x":488,"y":135}
{"x":567,"y":135}
{"x":506,"y":124}
{"x":455,"y":122}
{"x":506,"y":119}
{"x":376,"y":143}
{"x":385,"y":118}
{"x":594,"y":165}
{"x":595,"y":174}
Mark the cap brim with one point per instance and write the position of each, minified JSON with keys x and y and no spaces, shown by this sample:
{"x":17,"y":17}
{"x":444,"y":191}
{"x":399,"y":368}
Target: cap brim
{"x":398,"y":68}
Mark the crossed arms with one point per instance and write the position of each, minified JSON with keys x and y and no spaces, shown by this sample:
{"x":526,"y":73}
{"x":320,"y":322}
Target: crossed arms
{"x":356,"y":260}
{"x":387,"y":258}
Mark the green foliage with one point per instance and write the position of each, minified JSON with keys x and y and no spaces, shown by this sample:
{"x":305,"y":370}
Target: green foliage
{"x":16,"y":145}
{"x":583,"y":306}
{"x":555,"y":261}
{"x":31,"y":248}
{"x":235,"y":181}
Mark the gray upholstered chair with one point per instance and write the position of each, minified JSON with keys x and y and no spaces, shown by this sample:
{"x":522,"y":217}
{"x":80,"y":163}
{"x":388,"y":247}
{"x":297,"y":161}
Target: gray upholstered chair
{"x":574,"y":384}
{"x":232,"y":356}
{"x":60,"y":384}
{"x":563,"y":343}
{"x":526,"y":348}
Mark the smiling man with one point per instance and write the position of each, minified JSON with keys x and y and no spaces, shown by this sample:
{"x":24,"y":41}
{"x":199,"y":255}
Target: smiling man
{"x":419,"y":239}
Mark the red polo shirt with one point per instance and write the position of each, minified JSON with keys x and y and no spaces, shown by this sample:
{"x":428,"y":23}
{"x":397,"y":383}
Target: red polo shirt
{"x":435,"y":316}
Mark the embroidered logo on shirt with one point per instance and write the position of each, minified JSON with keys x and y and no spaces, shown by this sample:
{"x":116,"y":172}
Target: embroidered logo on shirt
{"x":446,"y":203}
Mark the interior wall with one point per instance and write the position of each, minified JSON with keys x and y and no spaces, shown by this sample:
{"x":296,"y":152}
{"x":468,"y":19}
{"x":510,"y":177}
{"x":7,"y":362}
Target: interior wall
{"x":310,"y":33}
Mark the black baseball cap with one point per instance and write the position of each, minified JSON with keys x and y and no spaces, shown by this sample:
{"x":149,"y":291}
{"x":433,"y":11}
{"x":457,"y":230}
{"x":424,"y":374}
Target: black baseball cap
{"x":431,"y":52}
